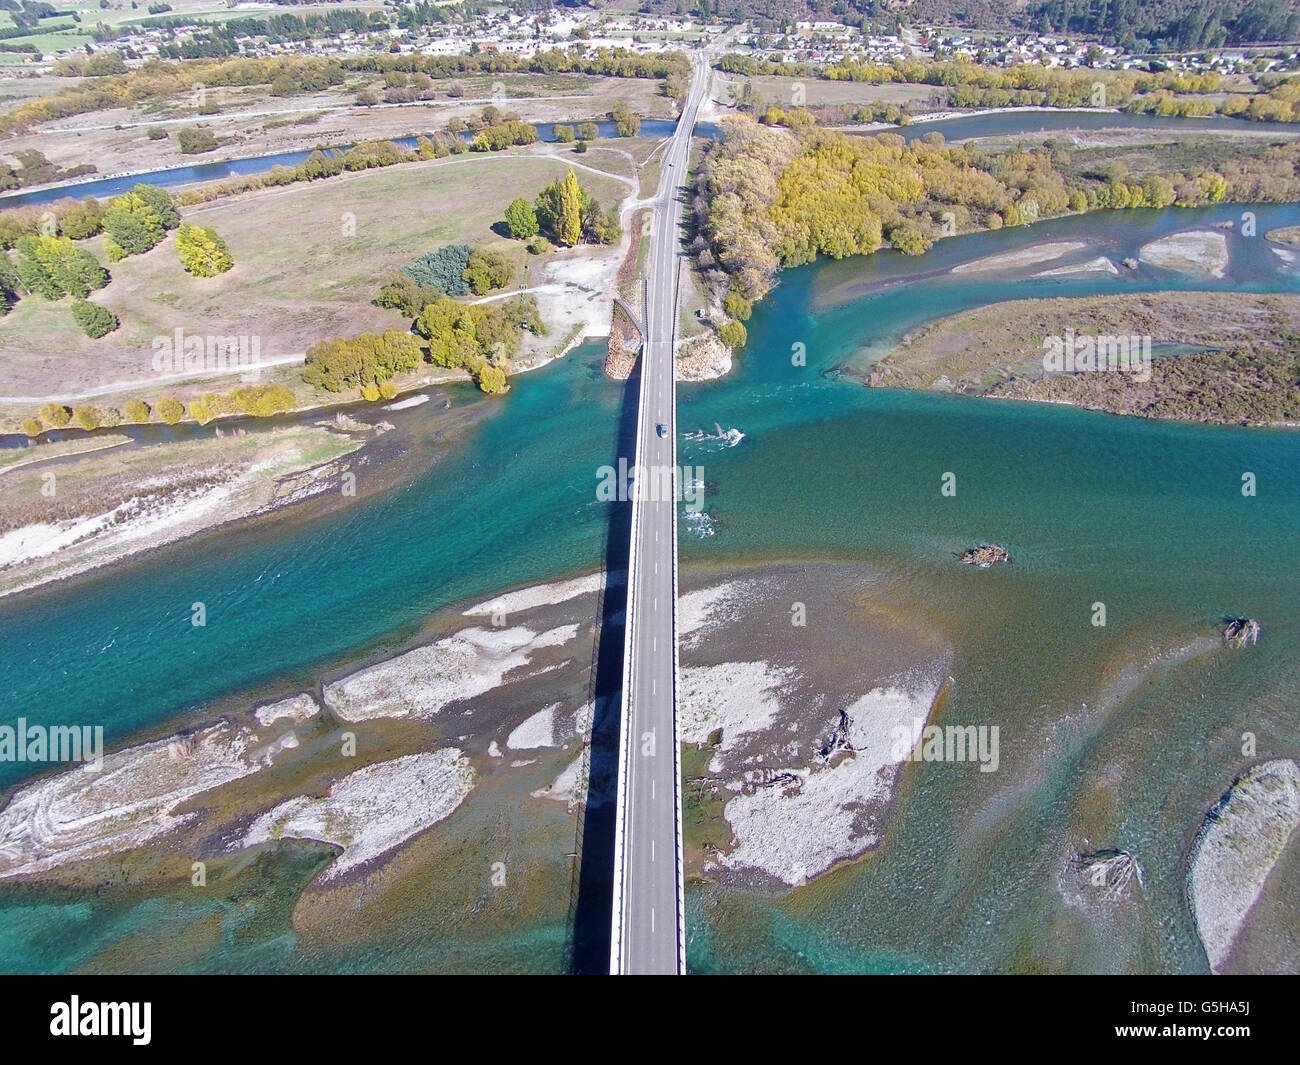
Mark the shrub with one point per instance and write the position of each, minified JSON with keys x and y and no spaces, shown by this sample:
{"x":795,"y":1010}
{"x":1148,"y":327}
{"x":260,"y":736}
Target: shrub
{"x":370,"y":392}
{"x":580,"y":147}
{"x":95,"y":321}
{"x":387,"y":389}
{"x":201,"y":412}
{"x":195,"y":140}
{"x":348,"y":363}
{"x":169,"y":410}
{"x":33,"y":428}
{"x":156,"y":133}
{"x":135,"y":411}
{"x":539,"y":245}
{"x":491,"y":379}
{"x":55,"y":415}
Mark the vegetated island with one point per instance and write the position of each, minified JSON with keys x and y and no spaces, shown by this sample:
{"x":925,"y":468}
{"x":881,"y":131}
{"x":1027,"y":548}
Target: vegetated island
{"x":1248,"y":372}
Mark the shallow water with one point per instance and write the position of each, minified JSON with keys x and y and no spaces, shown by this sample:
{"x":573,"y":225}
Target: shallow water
{"x":1146,"y":517}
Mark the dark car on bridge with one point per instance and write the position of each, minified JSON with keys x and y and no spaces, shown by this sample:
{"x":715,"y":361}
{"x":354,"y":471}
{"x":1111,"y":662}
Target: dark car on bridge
{"x":661,"y":429}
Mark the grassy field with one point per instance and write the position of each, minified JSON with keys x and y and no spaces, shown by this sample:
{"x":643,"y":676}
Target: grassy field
{"x":308,"y":257}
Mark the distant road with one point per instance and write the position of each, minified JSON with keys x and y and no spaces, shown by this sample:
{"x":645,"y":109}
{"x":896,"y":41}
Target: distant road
{"x":650,"y":923}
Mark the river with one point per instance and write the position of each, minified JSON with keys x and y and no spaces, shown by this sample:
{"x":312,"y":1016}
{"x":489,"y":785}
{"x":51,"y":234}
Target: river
{"x":1146,"y":516}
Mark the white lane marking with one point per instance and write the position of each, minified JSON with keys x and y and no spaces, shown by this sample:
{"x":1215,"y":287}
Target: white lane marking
{"x":652,"y":850}
{"x":652,"y":918}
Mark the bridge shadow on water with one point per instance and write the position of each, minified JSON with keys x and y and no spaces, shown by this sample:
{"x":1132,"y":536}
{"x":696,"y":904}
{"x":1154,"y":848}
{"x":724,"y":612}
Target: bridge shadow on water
{"x":593,"y":902}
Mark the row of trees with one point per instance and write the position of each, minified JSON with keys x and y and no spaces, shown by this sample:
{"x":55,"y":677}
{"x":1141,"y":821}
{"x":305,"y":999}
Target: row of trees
{"x":162,"y":80}
{"x":972,"y":85}
{"x":260,"y":401}
{"x":770,"y":197}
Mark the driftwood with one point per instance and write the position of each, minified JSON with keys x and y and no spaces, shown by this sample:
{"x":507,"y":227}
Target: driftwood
{"x":839,"y":740}
{"x":1110,"y":872}
{"x":1238,"y":632}
{"x":985,"y":555}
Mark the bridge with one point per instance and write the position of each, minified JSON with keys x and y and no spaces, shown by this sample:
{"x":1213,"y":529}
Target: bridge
{"x":648,"y":930}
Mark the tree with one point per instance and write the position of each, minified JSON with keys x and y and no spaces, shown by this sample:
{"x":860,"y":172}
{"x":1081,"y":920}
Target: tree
{"x":487,"y":270}
{"x":95,"y":321}
{"x":54,"y":267}
{"x":33,"y":428}
{"x":202,"y":252}
{"x":559,"y":210}
{"x":135,"y":411}
{"x":521,"y":219}
{"x":55,"y":415}
{"x":132,"y":225}
{"x":626,"y":124}
{"x":160,"y":202}
{"x":733,"y":334}
{"x":443,"y":269}
{"x":588,"y":131}
{"x":169,"y":410}
{"x":563,"y":133}
{"x":86,"y":417}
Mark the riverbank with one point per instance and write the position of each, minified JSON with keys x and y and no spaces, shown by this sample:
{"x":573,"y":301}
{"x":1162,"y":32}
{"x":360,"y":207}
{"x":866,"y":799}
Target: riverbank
{"x":84,"y":510}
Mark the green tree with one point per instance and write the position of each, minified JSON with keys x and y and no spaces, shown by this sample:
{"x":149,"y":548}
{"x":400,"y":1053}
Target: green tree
{"x":521,"y":219}
{"x":488,"y":270}
{"x":733,"y":334}
{"x":54,"y":267}
{"x":132,"y":224}
{"x":86,"y":417}
{"x":95,"y":321}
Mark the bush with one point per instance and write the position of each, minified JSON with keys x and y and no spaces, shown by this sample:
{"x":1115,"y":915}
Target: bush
{"x":491,"y":379}
{"x":135,"y":411}
{"x":201,"y":412}
{"x":539,"y":245}
{"x":86,"y":417}
{"x":95,"y":321}
{"x":169,"y":410}
{"x":55,"y":415}
{"x":156,"y":133}
{"x":387,"y":390}
{"x":370,"y":392}
{"x":195,"y":140}
{"x":33,"y":428}
{"x":580,"y":147}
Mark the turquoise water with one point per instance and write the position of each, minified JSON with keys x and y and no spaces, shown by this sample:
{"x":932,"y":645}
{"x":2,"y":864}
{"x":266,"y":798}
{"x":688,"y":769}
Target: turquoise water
{"x":1146,"y":516}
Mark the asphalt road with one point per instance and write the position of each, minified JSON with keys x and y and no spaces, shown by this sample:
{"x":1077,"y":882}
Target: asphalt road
{"x":652,"y":939}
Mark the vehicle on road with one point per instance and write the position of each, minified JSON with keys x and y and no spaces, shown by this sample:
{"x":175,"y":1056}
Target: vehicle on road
{"x":661,"y":429}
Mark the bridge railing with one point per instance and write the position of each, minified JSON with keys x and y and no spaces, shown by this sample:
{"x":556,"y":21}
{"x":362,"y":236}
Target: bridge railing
{"x":625,"y":716}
